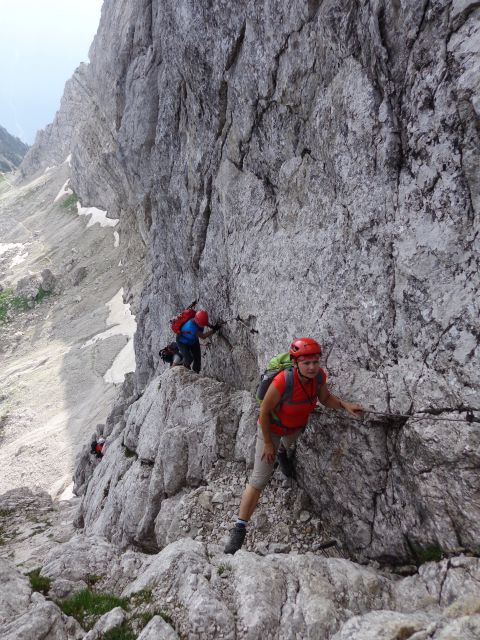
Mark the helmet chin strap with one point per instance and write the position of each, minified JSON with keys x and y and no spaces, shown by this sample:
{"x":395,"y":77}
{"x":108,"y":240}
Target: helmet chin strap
{"x":295,"y":362}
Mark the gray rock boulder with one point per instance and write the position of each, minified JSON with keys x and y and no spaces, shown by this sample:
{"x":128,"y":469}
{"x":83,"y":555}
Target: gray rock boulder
{"x":173,"y":435}
{"x":306,"y":594}
{"x":85,"y":556}
{"x":106,"y":623}
{"x":48,"y":281}
{"x":42,"y":621}
{"x":158,"y":629}
{"x":15,"y":593}
{"x":386,"y":625}
{"x":79,"y":275}
{"x":380,"y":486}
{"x":208,"y":594}
{"x":27,"y":288}
{"x":28,"y":615}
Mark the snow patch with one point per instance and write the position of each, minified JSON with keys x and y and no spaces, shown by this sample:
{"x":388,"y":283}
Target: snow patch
{"x":47,"y":169}
{"x":65,"y":190}
{"x":121,"y":322}
{"x":68,"y":160}
{"x":116,"y":241}
{"x":97,"y":215}
{"x":123,"y":363}
{"x":18,"y":259}
{"x":67,"y":494}
{"x":8,"y":246}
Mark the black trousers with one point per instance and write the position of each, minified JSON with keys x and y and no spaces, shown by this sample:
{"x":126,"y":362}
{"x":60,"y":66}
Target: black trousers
{"x":191,"y":354}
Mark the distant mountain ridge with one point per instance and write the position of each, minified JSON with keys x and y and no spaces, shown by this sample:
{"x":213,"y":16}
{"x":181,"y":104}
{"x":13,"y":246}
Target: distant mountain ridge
{"x":12,"y":150}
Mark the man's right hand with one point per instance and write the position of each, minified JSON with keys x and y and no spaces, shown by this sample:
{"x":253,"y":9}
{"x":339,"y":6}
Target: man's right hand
{"x":268,"y":453}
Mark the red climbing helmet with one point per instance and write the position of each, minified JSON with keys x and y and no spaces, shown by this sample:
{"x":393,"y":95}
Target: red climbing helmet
{"x":304,"y":347}
{"x":201,"y":318}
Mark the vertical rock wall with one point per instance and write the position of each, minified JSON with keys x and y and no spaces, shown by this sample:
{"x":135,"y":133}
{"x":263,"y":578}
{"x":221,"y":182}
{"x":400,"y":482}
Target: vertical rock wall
{"x":302,"y":169}
{"x":309,"y":168}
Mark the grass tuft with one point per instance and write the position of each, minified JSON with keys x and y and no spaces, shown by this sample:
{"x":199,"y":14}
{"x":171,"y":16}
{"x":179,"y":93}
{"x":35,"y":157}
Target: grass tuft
{"x":432,"y":553}
{"x":70,"y":202}
{"x":144,"y":596}
{"x":41,"y":295}
{"x":165,"y":616}
{"x":146,"y":617}
{"x":38,"y":582}
{"x":123,"y":632}
{"x":92,"y":579}
{"x":87,"y":606}
{"x":223,"y":568}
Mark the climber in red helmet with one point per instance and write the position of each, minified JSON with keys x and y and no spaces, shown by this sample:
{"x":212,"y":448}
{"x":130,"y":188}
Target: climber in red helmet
{"x":284,"y":412}
{"x":187,"y":339}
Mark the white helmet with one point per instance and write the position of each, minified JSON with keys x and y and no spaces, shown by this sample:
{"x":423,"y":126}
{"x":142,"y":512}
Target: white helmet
{"x":101,"y":440}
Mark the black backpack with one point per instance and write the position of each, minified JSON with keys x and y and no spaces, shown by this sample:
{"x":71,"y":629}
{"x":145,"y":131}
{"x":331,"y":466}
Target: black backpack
{"x":167,"y":353}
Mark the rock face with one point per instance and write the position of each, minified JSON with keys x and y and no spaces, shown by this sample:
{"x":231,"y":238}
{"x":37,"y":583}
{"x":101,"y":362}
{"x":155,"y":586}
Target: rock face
{"x":12,"y":151}
{"x":187,"y":431}
{"x":28,"y":615}
{"x":306,"y":170}
{"x":55,"y":143}
{"x":173,"y":436}
{"x":205,"y":594}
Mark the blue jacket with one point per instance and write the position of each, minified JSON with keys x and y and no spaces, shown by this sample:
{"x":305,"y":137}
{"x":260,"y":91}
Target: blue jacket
{"x":189,"y":332}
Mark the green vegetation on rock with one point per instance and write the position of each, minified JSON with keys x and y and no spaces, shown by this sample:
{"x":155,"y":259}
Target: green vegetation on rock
{"x":9,"y":303}
{"x":140,"y":597}
{"x":432,"y":553}
{"x":123,"y":632}
{"x":92,"y":579}
{"x":38,"y":582}
{"x":128,"y":452}
{"x":87,"y":606}
{"x":70,"y":202}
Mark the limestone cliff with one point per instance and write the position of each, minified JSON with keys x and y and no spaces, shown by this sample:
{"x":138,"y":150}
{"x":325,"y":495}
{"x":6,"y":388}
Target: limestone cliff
{"x":310,"y":168}
{"x":12,"y":150}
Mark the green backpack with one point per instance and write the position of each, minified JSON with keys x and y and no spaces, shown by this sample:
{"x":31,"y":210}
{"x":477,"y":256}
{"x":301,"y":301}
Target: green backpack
{"x":276,"y":364}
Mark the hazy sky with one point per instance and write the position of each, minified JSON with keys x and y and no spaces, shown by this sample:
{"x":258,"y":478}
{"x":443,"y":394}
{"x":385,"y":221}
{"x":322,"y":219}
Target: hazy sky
{"x":41,"y":44}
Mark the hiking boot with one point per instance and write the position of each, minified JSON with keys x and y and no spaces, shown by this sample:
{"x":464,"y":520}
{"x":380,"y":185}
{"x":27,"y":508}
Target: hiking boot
{"x":285,"y":463}
{"x":237,"y":536}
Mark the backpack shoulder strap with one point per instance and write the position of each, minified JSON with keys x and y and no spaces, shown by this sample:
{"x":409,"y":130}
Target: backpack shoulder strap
{"x":321,"y":379}
{"x":288,"y":385}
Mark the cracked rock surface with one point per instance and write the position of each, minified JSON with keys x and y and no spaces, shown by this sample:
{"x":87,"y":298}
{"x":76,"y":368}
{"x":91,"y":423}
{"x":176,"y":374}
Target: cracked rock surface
{"x":28,"y":615}
{"x":176,"y":462}
{"x":206,"y":594}
{"x":307,"y":169}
